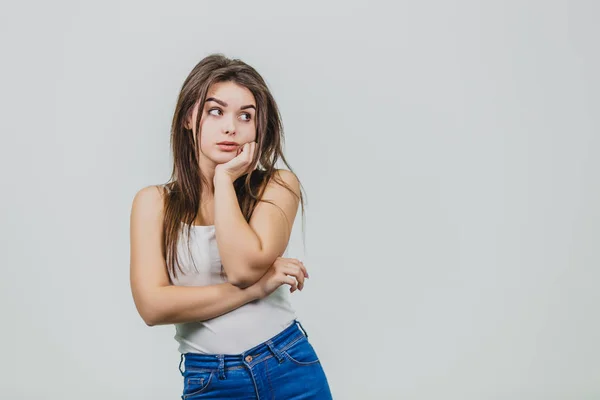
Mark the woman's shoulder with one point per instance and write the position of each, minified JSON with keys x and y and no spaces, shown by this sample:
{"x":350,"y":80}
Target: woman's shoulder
{"x":148,"y":202}
{"x":153,"y":192}
{"x":286,"y":178}
{"x":287,"y":175}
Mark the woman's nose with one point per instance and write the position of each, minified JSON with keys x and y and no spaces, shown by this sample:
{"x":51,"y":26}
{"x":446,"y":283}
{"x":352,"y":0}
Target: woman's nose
{"x":229,"y":126}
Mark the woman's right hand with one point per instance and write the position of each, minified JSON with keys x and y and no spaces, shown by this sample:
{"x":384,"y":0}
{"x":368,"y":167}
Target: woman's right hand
{"x":288,"y":271}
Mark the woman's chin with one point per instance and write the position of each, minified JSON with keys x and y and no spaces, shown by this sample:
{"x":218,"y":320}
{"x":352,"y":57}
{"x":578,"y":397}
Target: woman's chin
{"x":222,"y":158}
{"x":217,"y":157}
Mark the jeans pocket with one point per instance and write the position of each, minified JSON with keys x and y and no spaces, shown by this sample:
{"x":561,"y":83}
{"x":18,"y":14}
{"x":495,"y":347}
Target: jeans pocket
{"x":195,"y":382}
{"x":301,"y":352}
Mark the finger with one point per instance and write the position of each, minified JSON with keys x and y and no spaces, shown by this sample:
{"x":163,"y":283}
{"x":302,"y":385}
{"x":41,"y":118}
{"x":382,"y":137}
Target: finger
{"x":297,"y":272}
{"x":300,"y":264}
{"x":290,"y":281}
{"x":240,"y":150}
{"x":251,"y":149}
{"x":304,"y":269}
{"x":283,"y":261}
{"x":247,"y":156}
{"x":257,"y":150}
{"x":290,"y":276}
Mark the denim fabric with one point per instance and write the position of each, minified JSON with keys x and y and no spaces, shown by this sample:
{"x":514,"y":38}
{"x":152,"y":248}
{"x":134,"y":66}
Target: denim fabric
{"x":285,"y":367}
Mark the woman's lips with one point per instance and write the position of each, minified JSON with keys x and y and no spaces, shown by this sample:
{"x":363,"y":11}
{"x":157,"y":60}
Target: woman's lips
{"x":228,"y":147}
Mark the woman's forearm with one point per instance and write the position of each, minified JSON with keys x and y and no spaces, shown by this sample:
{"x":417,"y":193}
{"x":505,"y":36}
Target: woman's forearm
{"x":238,"y":244}
{"x":177,"y":304}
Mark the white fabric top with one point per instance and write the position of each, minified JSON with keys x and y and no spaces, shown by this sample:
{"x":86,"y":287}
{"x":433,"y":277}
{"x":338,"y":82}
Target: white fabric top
{"x":238,"y":330}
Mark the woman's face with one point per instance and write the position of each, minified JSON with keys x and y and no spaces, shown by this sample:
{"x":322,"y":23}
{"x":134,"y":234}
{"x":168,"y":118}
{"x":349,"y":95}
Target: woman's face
{"x":227,"y":115}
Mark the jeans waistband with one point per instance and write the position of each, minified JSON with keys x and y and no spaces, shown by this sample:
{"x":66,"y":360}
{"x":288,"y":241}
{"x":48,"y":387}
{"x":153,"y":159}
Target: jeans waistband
{"x":222,"y":362}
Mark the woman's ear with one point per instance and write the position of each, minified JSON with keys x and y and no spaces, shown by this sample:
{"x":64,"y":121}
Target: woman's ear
{"x":188,"y":122}
{"x":189,"y":119}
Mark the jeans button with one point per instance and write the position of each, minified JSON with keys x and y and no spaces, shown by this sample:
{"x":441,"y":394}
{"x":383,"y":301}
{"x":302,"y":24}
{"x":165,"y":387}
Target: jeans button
{"x":248,"y":358}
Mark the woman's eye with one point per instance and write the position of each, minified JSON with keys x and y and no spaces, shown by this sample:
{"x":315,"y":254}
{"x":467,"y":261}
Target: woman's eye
{"x":214,"y":109}
{"x":248,"y":117}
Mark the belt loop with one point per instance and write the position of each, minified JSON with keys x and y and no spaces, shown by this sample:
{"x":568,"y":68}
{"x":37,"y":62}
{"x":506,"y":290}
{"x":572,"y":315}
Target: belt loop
{"x":275,"y":351}
{"x":301,"y":327}
{"x":181,"y":362}
{"x":221,"y":358}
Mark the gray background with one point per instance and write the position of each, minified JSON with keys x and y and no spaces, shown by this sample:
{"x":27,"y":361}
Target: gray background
{"x":450,"y":155}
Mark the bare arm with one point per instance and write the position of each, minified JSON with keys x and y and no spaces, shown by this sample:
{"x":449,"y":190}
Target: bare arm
{"x":157,"y":301}
{"x":247,"y":249}
{"x":177,"y":304}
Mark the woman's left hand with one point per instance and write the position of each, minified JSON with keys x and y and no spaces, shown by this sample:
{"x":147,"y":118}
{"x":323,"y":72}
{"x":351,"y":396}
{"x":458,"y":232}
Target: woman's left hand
{"x":240,"y":164}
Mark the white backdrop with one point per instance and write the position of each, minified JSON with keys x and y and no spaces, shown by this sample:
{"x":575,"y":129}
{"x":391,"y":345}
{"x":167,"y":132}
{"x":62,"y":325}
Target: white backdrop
{"x":449,"y":150}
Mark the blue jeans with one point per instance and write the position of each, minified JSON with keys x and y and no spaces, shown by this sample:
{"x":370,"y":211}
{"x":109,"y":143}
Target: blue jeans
{"x":284,"y":367}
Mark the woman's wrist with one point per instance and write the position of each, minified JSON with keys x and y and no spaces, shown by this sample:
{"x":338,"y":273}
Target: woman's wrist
{"x":222,"y":176}
{"x":254,"y":292}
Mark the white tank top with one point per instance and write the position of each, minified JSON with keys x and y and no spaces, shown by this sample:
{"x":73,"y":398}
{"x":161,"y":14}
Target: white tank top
{"x":237,"y":330}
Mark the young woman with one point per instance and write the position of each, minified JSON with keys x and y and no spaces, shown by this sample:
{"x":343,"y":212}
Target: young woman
{"x":207,"y":247}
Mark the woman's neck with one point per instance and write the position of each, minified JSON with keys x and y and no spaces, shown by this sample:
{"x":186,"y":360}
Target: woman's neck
{"x":207,"y":169}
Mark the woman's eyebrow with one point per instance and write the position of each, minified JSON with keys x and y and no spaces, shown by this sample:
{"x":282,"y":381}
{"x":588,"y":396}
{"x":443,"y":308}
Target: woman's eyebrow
{"x":221,"y":102}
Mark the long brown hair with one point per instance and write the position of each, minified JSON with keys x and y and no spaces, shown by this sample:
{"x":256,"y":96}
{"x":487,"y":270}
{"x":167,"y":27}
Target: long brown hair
{"x":183,"y":191}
